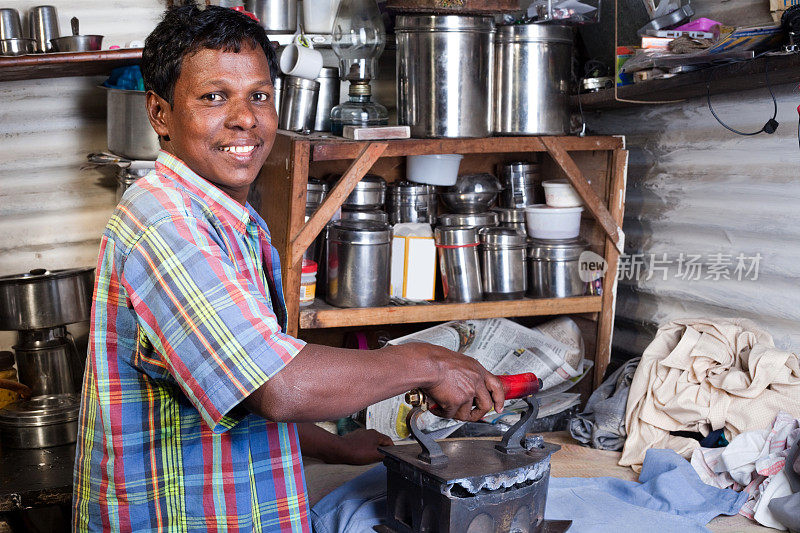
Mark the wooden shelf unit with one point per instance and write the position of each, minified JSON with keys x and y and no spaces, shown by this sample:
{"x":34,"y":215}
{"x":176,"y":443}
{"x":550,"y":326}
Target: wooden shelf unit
{"x":64,"y":64}
{"x":596,"y":167}
{"x":723,"y":78}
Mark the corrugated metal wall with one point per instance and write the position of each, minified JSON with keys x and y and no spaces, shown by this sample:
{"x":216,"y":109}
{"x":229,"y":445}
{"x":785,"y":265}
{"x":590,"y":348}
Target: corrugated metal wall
{"x":51,"y":212}
{"x":697,"y":189}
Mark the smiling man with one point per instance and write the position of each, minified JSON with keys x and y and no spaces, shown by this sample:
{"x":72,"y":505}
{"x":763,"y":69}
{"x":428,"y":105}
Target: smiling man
{"x":195,"y":400}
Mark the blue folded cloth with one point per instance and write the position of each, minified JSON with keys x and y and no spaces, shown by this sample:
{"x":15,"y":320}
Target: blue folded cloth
{"x":669,"y":497}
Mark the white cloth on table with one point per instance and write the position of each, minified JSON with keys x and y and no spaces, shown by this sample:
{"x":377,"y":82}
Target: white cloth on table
{"x":754,"y":462}
{"x":703,"y":375}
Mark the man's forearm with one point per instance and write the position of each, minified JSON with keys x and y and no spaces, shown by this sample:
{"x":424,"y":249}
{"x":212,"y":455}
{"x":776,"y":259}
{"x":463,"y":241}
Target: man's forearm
{"x":324,"y":383}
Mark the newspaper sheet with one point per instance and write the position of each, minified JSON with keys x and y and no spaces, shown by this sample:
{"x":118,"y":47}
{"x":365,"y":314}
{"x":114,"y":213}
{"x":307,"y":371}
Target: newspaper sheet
{"x":553,"y":351}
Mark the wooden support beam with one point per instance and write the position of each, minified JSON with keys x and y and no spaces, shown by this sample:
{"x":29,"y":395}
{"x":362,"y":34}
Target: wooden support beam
{"x":360,"y":166}
{"x":590,"y":199}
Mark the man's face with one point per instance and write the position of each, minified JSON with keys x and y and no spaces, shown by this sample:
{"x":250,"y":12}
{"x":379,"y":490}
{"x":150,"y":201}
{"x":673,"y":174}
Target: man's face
{"x":222,"y":122}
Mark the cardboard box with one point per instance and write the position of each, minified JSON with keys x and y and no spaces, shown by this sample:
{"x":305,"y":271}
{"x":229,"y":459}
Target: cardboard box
{"x":413,"y":274}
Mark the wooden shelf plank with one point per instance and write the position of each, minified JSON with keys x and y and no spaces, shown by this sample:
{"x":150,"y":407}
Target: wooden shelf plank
{"x":60,"y":65}
{"x":725,"y":78}
{"x":327,"y":147}
{"x":321,"y":315}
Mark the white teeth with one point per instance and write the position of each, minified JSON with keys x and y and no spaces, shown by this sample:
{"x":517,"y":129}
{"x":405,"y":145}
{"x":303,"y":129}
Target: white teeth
{"x":238,"y":149}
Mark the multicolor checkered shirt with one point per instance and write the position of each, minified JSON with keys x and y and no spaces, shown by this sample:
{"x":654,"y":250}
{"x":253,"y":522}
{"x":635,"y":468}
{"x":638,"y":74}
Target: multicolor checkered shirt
{"x":188,"y":320}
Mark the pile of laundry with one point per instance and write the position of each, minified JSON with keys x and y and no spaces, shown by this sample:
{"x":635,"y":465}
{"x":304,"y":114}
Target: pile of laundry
{"x":765,"y":463}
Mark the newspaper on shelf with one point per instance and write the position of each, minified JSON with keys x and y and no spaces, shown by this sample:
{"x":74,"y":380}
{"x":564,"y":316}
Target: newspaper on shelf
{"x":553,"y":351}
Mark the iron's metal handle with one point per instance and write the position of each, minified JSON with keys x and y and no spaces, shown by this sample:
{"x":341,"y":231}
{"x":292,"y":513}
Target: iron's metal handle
{"x":513,"y":437}
{"x":431,"y":451}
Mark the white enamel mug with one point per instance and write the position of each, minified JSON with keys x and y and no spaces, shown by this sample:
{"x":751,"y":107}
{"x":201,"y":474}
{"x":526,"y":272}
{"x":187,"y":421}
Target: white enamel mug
{"x":299,"y":59}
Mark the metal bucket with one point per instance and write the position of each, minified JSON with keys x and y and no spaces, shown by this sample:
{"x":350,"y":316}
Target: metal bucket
{"x":439,"y":92}
{"x":128,"y":128}
{"x":532,"y":72}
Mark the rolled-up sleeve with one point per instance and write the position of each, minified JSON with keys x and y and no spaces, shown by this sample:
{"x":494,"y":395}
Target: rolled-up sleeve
{"x":212,"y":326}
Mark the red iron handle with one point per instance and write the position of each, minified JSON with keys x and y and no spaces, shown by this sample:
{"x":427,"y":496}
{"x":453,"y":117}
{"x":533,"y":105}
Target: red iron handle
{"x":515,"y":386}
{"x":520,"y":385}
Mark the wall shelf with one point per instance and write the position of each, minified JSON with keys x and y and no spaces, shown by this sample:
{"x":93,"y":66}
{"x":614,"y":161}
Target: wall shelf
{"x":321,"y":315}
{"x":725,"y":78}
{"x":64,"y":64}
{"x":595,"y":166}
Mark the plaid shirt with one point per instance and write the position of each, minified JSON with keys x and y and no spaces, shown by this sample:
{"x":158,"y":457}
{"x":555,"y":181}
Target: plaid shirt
{"x":186,"y":323}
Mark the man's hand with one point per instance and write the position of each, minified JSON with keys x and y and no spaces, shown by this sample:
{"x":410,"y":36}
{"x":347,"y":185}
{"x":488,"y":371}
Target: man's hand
{"x":361,"y":447}
{"x":357,"y":448}
{"x":463,"y":389}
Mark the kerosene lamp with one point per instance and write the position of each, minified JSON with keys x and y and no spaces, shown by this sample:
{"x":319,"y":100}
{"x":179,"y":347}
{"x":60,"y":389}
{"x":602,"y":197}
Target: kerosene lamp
{"x":357,"y":40}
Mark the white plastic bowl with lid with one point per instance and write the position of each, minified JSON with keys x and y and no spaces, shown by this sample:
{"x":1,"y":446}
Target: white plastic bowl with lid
{"x":545,"y":222}
{"x":559,"y":193}
{"x":433,"y":169}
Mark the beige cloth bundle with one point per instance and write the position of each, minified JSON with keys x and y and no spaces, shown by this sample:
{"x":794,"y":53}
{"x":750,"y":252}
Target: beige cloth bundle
{"x":703,"y":375}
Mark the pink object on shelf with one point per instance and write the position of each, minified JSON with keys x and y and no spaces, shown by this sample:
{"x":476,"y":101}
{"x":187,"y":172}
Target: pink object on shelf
{"x":702,"y":24}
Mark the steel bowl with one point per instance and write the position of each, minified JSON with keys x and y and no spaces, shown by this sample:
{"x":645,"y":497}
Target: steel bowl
{"x":45,"y":299}
{"x":77,"y":43}
{"x":472,"y":193}
{"x":16,"y":47}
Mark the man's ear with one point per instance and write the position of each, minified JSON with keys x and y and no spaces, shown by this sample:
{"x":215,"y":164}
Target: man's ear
{"x":158,"y":111}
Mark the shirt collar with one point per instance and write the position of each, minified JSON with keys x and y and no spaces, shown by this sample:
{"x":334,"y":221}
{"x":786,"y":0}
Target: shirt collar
{"x":225,"y":207}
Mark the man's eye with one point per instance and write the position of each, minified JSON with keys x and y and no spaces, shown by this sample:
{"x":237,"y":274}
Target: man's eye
{"x":212,"y":97}
{"x":261,"y":97}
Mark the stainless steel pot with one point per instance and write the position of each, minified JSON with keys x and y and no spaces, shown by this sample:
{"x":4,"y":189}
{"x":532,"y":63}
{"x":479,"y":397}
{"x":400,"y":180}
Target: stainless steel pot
{"x":127,"y":177}
{"x":358,"y":263}
{"x":511,"y":218}
{"x":503,"y":258}
{"x":77,"y":43}
{"x":44,"y":299}
{"x":275,"y":16}
{"x":411,"y":202}
{"x":316,"y":190}
{"x":128,"y":130}
{"x":459,"y":263}
{"x":532,"y":71}
{"x":48,"y":362}
{"x":16,"y":47}
{"x":521,"y":187}
{"x":278,"y":93}
{"x":472,"y":220}
{"x":298,"y":104}
{"x":368,"y":194}
{"x":554,"y":269}
{"x":40,"y":422}
{"x":351,"y":214}
{"x":444,"y":74}
{"x":328,"y":97}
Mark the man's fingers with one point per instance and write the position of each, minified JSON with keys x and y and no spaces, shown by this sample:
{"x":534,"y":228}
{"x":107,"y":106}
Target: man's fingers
{"x":495,"y":387}
{"x":483,"y":403}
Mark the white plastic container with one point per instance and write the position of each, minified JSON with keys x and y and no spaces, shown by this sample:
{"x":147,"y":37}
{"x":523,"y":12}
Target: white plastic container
{"x":545,"y":222}
{"x":434,"y":169}
{"x":318,"y":15}
{"x":559,"y":193}
{"x":308,"y":282}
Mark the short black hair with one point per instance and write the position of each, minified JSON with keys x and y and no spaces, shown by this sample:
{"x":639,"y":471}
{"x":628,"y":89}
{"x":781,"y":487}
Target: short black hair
{"x":187,"y":29}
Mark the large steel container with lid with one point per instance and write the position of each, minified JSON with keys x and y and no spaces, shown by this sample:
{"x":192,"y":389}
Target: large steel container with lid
{"x":521,"y":187}
{"x":532,"y":71}
{"x":444,"y":74}
{"x":554,"y":268}
{"x":45,"y":298}
{"x":459,"y":263}
{"x":503,"y":252}
{"x":368,"y":194}
{"x":316,"y":190}
{"x":358,"y":263}
{"x":411,"y":202}
{"x":40,"y":422}
{"x":472,"y":220}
